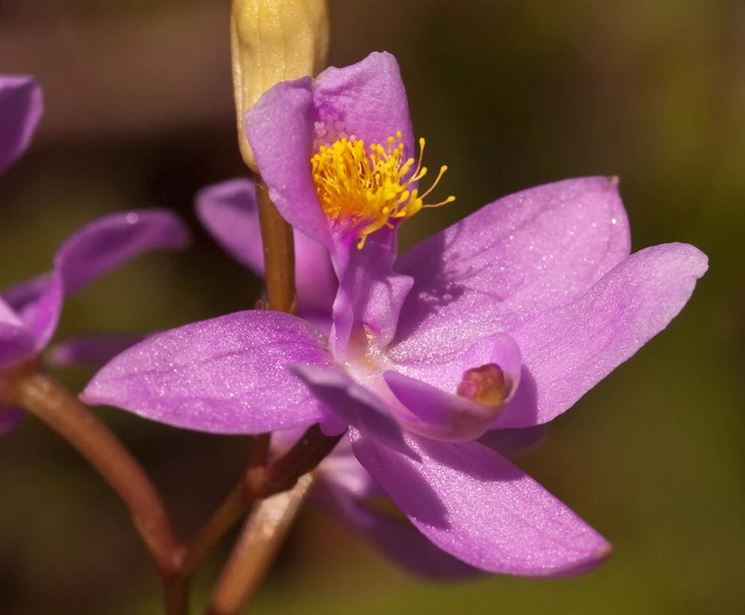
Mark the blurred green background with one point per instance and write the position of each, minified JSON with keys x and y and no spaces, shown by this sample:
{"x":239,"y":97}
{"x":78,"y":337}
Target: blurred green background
{"x":510,"y":94}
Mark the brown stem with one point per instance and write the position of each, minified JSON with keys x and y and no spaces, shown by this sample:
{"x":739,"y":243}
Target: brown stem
{"x":225,"y":517}
{"x":260,"y":481}
{"x":233,"y":507}
{"x":176,"y":593}
{"x":262,"y":535}
{"x":301,"y":459}
{"x":279,"y":253}
{"x":260,"y":450}
{"x":284,"y":484}
{"x":63,"y":413}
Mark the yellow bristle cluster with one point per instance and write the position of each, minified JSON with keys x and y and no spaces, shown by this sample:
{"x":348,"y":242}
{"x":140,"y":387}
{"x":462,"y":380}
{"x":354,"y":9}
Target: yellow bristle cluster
{"x":364,"y":188}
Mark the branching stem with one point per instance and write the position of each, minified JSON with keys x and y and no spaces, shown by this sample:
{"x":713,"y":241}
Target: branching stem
{"x":75,"y":423}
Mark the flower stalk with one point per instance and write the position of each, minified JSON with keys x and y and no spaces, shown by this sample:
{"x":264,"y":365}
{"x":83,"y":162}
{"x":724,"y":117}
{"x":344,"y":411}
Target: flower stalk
{"x":279,"y":253}
{"x":262,"y":535}
{"x":75,"y":423}
{"x":270,"y":41}
{"x":228,"y":513}
{"x":281,"y":488}
{"x":260,"y":481}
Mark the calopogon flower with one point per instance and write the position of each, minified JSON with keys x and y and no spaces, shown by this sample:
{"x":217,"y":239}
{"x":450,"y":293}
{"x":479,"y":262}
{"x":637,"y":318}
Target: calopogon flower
{"x":30,"y":311}
{"x":504,"y":320}
{"x":229,"y":211}
{"x":20,"y":110}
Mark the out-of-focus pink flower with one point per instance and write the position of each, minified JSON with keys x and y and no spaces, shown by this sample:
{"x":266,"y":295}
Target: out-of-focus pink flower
{"x":21,"y":107}
{"x":30,"y":311}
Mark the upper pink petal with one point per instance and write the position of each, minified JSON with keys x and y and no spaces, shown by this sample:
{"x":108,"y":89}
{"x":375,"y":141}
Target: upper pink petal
{"x":477,"y":506}
{"x":224,"y":375}
{"x":229,"y":212}
{"x":525,"y":253}
{"x":280,"y":129}
{"x":94,"y":250}
{"x":569,"y":350}
{"x":366,"y":100}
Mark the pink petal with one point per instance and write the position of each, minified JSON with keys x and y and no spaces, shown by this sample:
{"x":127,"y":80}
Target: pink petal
{"x":351,"y":403}
{"x":94,"y":250}
{"x":368,"y":99}
{"x":92,"y":350}
{"x":9,"y":418}
{"x":229,"y":212}
{"x":341,"y":471}
{"x":16,"y":340}
{"x":113,"y":240}
{"x":224,"y":375}
{"x":280,"y":129}
{"x":314,"y":278}
{"x":437,"y":414}
{"x":523,"y":254}
{"x":569,"y":350}
{"x":21,"y":107}
{"x":344,"y":489}
{"x":444,"y":366}
{"x":370,"y":294}
{"x":428,"y":388}
{"x":477,"y":506}
{"x":22,"y":294}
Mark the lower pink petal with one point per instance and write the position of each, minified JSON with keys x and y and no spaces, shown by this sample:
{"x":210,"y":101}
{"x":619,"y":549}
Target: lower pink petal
{"x":477,"y":506}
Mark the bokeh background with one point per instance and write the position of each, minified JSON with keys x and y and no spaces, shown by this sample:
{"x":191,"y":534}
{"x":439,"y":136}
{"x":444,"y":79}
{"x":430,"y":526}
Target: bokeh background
{"x":510,"y":94}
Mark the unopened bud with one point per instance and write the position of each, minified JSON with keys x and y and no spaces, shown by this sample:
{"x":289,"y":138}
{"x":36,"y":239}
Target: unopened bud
{"x":273,"y":41}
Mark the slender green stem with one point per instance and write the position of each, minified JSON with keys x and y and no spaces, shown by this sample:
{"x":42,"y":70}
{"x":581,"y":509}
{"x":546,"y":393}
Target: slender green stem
{"x":279,"y":253}
{"x":75,"y":423}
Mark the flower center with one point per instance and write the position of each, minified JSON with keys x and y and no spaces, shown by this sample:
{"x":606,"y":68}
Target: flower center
{"x":364,"y":188}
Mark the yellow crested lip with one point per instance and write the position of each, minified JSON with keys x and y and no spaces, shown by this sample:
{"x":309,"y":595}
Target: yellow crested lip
{"x":363,"y":188}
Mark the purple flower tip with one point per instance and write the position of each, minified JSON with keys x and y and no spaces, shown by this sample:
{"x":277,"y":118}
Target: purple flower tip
{"x":21,"y":107}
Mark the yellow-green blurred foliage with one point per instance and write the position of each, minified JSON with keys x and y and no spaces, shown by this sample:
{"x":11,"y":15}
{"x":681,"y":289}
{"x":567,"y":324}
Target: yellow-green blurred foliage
{"x":510,"y":93}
